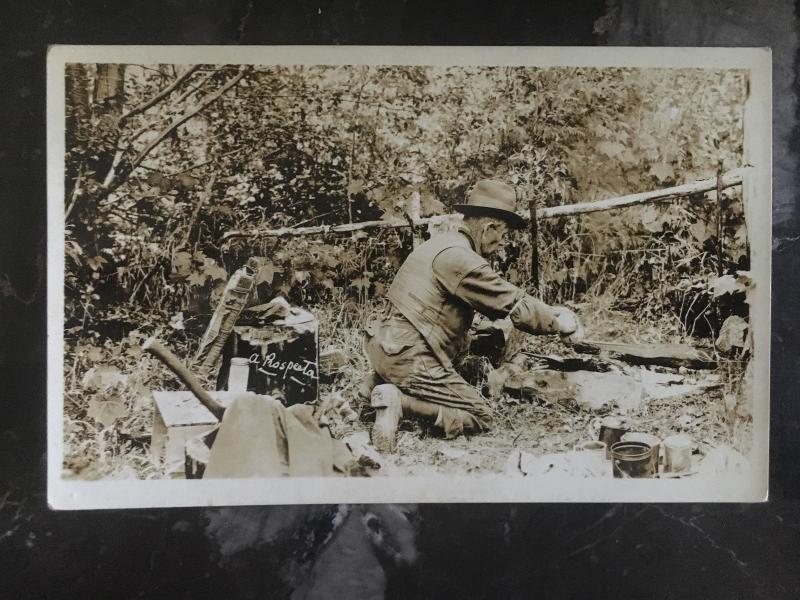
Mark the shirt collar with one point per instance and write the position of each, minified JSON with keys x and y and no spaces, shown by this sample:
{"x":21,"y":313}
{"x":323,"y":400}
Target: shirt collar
{"x":465,"y":231}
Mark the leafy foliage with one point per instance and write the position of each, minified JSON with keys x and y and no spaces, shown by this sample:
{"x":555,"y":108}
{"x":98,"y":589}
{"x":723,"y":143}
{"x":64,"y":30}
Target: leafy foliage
{"x":311,"y":145}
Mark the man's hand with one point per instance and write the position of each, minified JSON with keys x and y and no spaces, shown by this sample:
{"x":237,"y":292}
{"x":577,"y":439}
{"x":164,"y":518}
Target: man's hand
{"x":569,"y":326}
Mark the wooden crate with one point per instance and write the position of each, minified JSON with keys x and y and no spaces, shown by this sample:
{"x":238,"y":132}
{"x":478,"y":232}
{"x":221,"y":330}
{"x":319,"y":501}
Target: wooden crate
{"x":284,"y":357}
{"x":178,"y":417}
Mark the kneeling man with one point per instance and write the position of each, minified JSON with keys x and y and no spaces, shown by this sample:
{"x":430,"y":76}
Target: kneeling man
{"x":432,"y":302}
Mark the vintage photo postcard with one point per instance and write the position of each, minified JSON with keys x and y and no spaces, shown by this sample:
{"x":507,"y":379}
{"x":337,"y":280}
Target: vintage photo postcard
{"x":290,"y":275}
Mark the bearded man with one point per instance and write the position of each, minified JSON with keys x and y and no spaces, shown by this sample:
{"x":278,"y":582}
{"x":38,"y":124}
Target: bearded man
{"x":432,"y":302}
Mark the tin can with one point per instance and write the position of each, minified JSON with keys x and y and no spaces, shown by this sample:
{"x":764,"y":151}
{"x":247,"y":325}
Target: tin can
{"x":611,"y":431}
{"x":595,"y":446}
{"x":677,"y":454}
{"x":238,"y":375}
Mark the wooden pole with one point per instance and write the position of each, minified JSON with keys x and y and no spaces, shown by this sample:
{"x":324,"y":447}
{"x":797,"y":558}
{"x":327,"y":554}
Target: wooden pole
{"x":165,"y":355}
{"x":534,"y":245}
{"x":729,"y":179}
{"x":719,"y":213}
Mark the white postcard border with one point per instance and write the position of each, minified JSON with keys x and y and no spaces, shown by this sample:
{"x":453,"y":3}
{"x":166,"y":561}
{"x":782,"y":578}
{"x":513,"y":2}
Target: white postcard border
{"x":72,"y":494}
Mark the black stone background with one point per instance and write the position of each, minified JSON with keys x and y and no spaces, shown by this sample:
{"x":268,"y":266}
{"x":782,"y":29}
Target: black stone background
{"x":467,"y":551}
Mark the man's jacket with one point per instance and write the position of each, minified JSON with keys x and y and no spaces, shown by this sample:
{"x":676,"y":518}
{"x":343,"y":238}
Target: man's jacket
{"x":444,"y":281}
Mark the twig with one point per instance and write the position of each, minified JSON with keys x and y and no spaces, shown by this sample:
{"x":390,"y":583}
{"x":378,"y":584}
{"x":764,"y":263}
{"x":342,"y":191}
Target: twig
{"x":196,"y":87}
{"x":182,"y":119}
{"x":76,"y":194}
{"x":159,"y":96}
{"x":202,"y":200}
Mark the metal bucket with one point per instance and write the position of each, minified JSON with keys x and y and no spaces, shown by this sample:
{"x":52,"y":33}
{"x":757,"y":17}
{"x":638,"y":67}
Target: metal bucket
{"x":632,"y":460}
{"x":651,"y":440}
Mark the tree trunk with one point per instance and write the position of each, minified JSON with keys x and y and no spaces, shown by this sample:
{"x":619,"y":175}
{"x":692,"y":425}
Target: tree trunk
{"x":77,"y":117}
{"x":92,"y":130}
{"x":109,"y":88}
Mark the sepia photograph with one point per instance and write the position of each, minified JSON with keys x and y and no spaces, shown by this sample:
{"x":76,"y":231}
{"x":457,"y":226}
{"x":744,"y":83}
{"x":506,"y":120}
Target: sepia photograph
{"x":394,"y":274}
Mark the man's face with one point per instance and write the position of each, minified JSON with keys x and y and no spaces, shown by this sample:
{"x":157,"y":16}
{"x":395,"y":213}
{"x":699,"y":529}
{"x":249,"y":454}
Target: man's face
{"x":495,"y":237}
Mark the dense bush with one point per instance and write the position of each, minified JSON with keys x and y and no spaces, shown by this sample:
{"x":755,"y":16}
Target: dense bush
{"x":148,"y":201}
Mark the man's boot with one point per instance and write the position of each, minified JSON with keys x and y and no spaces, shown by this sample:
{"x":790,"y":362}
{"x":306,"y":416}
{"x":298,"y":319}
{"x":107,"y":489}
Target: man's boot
{"x":392,"y":405}
{"x":387,"y":400}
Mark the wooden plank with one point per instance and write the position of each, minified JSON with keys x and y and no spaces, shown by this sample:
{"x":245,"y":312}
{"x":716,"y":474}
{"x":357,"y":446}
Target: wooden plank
{"x":665,"y":355}
{"x":183,"y":408}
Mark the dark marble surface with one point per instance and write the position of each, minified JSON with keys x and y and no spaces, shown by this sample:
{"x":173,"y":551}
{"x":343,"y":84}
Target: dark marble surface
{"x":433,"y":551}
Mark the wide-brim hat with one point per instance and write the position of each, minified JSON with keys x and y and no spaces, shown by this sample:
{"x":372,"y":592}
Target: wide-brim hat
{"x":492,"y":198}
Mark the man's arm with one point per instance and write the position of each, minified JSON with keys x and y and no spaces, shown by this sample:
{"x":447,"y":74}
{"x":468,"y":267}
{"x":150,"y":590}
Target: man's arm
{"x":469,"y":277}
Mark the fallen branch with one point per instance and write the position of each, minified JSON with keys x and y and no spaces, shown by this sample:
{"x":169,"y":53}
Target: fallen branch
{"x":729,"y":179}
{"x":343,"y":228}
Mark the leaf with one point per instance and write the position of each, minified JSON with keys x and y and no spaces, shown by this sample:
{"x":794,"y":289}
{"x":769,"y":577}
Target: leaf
{"x":267,"y":273}
{"x":213,"y":270}
{"x":732,"y":334}
{"x":701,"y":231}
{"x":662,"y":172}
{"x":182,"y":264}
{"x":744,"y":278}
{"x":96,"y":263}
{"x":354,"y":187}
{"x":727,"y":284}
{"x":94,"y":354}
{"x":187,"y":181}
{"x":431,"y":205}
{"x":176,"y":322}
{"x":652,"y":219}
{"x":611,"y":149}
{"x":361,"y":284}
{"x":197,"y":279}
{"x":105,"y":412}
{"x":103,"y":377}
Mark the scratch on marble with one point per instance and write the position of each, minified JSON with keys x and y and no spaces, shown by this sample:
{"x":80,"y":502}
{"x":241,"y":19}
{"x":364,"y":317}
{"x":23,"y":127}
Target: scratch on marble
{"x":608,"y":514}
{"x":743,"y":566}
{"x":8,"y":290}
{"x":610,"y":534}
{"x":243,"y":21}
